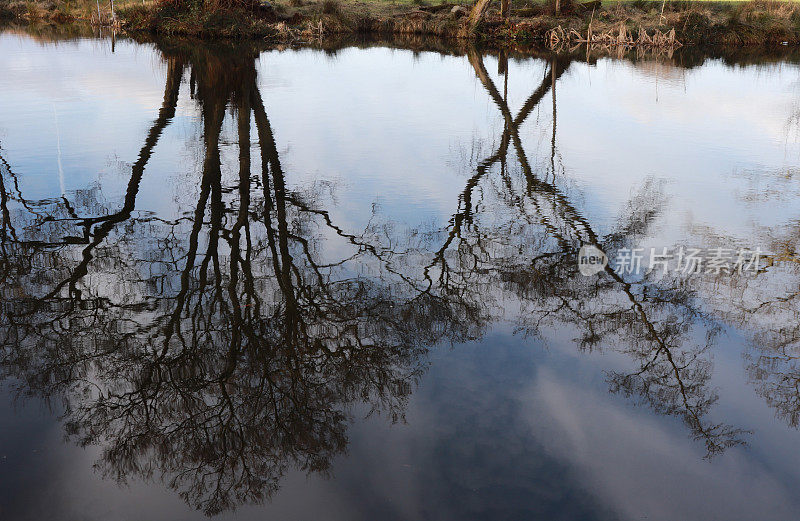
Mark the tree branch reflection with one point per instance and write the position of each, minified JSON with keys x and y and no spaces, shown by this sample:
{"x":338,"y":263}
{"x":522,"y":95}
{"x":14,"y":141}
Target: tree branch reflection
{"x":221,"y":349}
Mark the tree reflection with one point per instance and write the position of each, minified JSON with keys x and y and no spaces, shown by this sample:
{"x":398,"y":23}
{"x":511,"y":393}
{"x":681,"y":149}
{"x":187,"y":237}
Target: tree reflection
{"x":533,"y":256}
{"x":222,"y":360}
{"x":766,"y":308}
{"x":220,"y":349}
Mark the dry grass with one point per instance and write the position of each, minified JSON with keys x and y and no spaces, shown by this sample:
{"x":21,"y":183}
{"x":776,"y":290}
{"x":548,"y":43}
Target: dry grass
{"x":65,"y":11}
{"x":611,"y":38}
{"x":640,"y":22}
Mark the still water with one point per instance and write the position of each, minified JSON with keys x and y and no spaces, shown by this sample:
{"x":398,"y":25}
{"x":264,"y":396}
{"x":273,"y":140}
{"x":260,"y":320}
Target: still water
{"x":307,"y":284}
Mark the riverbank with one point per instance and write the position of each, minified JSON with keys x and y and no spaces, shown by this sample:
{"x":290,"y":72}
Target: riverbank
{"x":639,"y":23}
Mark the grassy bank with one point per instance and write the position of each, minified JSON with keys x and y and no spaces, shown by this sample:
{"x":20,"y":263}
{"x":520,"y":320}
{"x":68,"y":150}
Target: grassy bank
{"x":606,"y":23}
{"x":65,"y":11}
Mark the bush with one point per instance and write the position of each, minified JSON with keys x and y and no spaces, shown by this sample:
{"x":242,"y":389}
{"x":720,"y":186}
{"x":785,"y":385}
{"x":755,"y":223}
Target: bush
{"x":330,"y":7}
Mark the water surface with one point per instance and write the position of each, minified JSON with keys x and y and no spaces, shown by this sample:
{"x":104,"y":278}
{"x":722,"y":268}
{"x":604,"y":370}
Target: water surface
{"x":343,"y":284}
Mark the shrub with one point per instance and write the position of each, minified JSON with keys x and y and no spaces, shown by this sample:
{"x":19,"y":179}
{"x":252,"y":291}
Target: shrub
{"x":330,"y":7}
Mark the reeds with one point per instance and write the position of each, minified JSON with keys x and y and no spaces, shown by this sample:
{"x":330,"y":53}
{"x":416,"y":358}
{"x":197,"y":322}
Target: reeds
{"x":613,"y":37}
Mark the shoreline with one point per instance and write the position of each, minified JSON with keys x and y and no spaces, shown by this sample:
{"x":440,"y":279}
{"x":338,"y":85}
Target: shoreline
{"x":618,"y":26}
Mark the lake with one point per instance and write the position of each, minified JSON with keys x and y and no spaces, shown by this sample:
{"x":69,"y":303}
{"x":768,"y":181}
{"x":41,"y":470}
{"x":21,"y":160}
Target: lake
{"x":396,"y":281}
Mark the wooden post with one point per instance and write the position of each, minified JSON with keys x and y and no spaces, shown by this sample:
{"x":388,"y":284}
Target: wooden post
{"x":558,"y":7}
{"x":504,"y":8}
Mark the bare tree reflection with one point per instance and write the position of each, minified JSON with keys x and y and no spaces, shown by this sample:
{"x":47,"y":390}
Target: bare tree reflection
{"x":220,"y":361}
{"x":766,"y":309}
{"x":534,"y":254}
{"x":220,"y":349}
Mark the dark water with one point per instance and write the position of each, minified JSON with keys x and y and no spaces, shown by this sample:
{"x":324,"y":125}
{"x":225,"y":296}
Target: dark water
{"x":298,"y":284}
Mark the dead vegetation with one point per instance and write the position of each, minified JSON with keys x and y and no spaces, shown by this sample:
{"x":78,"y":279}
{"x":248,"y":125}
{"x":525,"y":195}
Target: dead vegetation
{"x":612,"y":37}
{"x":33,"y":11}
{"x":639,"y":23}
